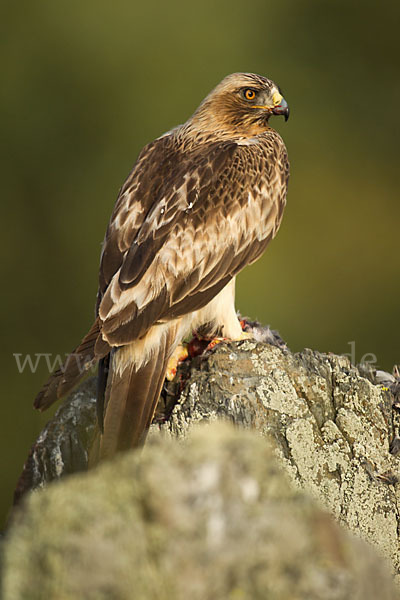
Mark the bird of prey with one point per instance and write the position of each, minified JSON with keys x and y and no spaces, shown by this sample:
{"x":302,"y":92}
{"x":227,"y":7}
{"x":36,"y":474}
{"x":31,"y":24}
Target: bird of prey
{"x":201,"y":202}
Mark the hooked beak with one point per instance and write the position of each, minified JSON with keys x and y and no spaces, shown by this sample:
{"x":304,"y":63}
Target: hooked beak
{"x":282,"y":109}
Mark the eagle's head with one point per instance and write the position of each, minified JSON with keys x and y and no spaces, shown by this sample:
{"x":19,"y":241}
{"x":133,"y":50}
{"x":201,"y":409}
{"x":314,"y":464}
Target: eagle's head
{"x":241,"y":104}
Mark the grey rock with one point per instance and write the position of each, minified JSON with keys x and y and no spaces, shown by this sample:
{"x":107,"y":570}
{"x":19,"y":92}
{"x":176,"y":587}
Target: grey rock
{"x":63,"y":445}
{"x":331,"y":428}
{"x":210,"y":517}
{"x":334,"y":428}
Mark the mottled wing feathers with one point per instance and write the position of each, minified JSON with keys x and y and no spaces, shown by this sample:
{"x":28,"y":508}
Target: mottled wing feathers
{"x":134,"y":201}
{"x":247,"y":214}
{"x":186,"y":222}
{"x":180,"y":184}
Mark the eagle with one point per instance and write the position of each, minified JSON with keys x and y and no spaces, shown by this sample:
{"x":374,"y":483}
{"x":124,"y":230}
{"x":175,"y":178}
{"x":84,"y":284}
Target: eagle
{"x":201,"y":202}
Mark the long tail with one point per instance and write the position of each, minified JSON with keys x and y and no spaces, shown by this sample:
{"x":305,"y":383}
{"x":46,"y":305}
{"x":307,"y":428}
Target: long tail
{"x":75,"y":367}
{"x":130,"y":401}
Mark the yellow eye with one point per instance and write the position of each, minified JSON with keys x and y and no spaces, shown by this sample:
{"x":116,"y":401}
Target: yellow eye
{"x":249,"y":94}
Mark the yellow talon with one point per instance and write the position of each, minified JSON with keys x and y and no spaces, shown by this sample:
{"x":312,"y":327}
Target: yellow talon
{"x":214,"y":342}
{"x":179,"y":355}
{"x":243,"y":336}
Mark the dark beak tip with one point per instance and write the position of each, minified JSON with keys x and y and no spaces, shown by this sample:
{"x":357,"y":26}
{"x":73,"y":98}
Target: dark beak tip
{"x":280,"y":110}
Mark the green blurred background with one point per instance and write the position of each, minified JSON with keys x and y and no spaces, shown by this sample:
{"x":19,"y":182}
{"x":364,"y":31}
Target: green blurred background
{"x":86,"y":84}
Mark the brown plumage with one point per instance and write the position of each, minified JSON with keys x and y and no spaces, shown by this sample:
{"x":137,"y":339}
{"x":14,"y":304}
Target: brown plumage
{"x":201,"y":203}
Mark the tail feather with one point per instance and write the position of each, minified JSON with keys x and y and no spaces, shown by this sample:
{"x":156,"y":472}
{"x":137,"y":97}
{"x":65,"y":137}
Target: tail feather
{"x":102,"y":374}
{"x":75,"y":367}
{"x":148,"y":413}
{"x":130,"y":401}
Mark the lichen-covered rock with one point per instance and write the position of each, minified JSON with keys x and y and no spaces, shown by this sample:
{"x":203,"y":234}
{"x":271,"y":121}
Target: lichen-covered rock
{"x":63,"y":445}
{"x":331,"y":427}
{"x":210,"y":517}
